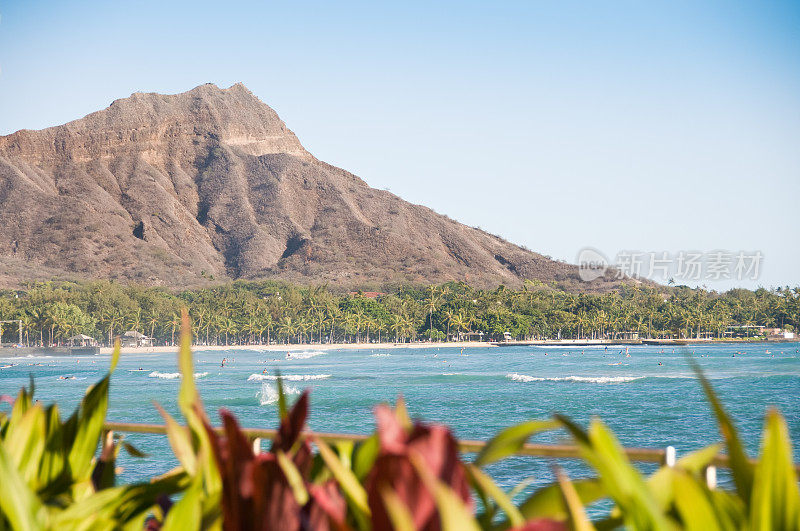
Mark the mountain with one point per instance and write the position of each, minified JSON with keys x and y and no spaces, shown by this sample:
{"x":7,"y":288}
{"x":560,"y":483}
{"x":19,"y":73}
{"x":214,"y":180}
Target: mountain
{"x":210,"y":185}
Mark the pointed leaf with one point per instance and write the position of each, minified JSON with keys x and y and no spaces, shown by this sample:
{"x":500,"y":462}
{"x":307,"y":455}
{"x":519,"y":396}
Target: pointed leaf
{"x":776,"y":501}
{"x":345,"y":477}
{"x":511,"y":440}
{"x":740,"y":465}
{"x":484,"y":483}
{"x":293,"y":477}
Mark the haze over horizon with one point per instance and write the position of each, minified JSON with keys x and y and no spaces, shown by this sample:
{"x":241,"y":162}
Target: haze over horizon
{"x":652,"y":128}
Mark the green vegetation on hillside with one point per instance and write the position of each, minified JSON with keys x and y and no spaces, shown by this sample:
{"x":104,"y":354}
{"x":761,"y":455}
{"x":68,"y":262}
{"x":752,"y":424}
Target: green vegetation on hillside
{"x":262,"y":312}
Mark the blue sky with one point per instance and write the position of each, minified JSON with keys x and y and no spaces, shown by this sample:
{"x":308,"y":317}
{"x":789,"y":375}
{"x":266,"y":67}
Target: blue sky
{"x":558,"y":125}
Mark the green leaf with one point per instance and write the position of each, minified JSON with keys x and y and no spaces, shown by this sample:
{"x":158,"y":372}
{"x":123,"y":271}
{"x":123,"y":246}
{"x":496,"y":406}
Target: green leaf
{"x":511,"y":440}
{"x":133,"y":451}
{"x":364,"y":456}
{"x":293,"y":477}
{"x":54,"y":455}
{"x":548,"y":502}
{"x":17,"y":502}
{"x":740,"y":465}
{"x":345,"y":477}
{"x":401,"y":412}
{"x":640,"y":508}
{"x":775,"y":503}
{"x":693,"y":503}
{"x":91,"y":417}
{"x":180,"y":440}
{"x":453,"y":512}
{"x":661,"y":482}
{"x":283,"y":410}
{"x":25,"y":443}
{"x":489,"y":489}
{"x":697,"y":461}
{"x":576,"y":513}
{"x":398,"y":513}
{"x":187,"y":395}
{"x":187,"y":513}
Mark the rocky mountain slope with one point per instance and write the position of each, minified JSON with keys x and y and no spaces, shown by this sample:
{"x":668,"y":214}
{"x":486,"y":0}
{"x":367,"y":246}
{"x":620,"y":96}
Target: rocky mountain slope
{"x":208,"y":185}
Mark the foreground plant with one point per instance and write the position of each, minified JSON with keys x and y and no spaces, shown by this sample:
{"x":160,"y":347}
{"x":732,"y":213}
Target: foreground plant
{"x":50,"y":477}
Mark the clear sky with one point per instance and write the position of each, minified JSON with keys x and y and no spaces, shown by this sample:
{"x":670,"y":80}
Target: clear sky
{"x":651,"y":126}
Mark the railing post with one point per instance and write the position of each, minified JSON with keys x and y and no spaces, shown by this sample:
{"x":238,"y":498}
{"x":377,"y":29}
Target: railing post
{"x":669,"y":456}
{"x":711,"y":477}
{"x":257,"y":445}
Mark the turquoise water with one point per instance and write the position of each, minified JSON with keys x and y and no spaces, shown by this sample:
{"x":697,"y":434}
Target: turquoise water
{"x":476,"y":393}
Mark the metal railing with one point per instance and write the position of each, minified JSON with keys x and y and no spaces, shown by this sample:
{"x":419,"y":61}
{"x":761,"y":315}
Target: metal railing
{"x":554,"y":451}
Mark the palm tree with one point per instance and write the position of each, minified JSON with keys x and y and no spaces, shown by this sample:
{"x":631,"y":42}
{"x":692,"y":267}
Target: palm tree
{"x":432,"y":304}
{"x":287,"y":327}
{"x":151,"y":318}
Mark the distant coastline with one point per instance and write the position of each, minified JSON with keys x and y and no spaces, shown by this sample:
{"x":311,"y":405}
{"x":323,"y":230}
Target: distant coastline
{"x":7,"y":352}
{"x":299,"y":347}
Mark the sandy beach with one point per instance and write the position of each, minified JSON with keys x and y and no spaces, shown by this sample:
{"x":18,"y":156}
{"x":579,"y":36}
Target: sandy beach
{"x":294,"y":347}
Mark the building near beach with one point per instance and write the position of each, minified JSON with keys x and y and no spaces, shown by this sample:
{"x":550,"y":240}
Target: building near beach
{"x":778,"y":334}
{"x":134,"y":338}
{"x":82,"y":340}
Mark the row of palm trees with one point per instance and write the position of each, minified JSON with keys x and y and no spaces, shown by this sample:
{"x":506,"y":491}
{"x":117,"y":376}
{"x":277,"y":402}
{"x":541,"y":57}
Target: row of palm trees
{"x":268,"y":312}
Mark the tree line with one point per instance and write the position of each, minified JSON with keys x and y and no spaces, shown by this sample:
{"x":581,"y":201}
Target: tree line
{"x":267,"y":312}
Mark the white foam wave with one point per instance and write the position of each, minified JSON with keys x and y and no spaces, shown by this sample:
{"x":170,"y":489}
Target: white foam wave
{"x":173,"y":375}
{"x":288,"y":377}
{"x":582,"y":379}
{"x":303,"y":355}
{"x":380,"y":355}
{"x":268,"y":394}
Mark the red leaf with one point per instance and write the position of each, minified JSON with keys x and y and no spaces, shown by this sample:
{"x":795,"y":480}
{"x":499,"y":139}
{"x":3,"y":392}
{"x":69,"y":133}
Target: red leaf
{"x":392,"y":469}
{"x":327,"y":506}
{"x":292,"y":425}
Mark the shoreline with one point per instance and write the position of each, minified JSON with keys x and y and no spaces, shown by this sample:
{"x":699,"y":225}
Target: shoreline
{"x":297,"y":347}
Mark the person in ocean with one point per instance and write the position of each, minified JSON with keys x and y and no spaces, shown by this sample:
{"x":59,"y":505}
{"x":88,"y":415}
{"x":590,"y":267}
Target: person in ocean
{"x":264,"y":371}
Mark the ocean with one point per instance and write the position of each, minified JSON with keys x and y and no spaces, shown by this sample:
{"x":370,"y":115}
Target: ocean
{"x":650,"y":399}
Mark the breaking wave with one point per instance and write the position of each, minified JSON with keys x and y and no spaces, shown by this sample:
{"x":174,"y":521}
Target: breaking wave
{"x":268,"y":394}
{"x":288,"y":377}
{"x":173,"y":375}
{"x":303,"y":355}
{"x":582,"y":379}
{"x":380,"y":355}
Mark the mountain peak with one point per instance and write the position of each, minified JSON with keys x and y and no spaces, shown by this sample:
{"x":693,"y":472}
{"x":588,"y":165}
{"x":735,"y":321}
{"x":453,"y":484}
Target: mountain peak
{"x":210,"y":185}
{"x":144,"y":121}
